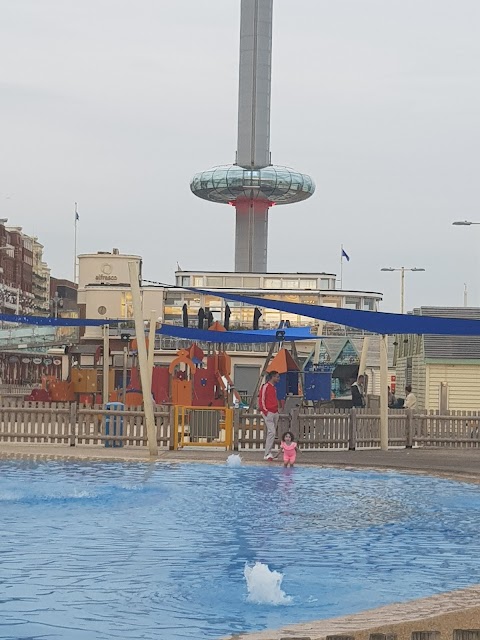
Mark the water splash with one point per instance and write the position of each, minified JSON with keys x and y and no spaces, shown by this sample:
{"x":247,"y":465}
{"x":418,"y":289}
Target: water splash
{"x":234,"y":460}
{"x":264,"y":586}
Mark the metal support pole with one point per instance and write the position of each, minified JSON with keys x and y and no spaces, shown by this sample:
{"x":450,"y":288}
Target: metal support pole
{"x":106,"y":357}
{"x":384,"y":392}
{"x":151,"y":344}
{"x":316,"y":353}
{"x":142,"y":358}
{"x":402,"y":290}
{"x":124,"y":377}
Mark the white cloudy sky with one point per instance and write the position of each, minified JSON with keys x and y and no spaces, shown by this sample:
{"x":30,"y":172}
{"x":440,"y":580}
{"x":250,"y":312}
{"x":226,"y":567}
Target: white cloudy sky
{"x":117,"y":103}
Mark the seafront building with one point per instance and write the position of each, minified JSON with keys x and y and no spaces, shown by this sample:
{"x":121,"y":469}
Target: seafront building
{"x":444,"y":371}
{"x":104,"y":292}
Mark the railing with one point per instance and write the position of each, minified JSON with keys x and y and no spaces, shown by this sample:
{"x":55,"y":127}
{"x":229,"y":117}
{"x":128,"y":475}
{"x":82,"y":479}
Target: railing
{"x":203,"y":427}
{"x":314,"y":429}
{"x":18,"y":390}
{"x":63,"y":423}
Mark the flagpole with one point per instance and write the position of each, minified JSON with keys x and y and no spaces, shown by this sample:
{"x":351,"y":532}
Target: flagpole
{"x":75,"y":247}
{"x":341,"y":266}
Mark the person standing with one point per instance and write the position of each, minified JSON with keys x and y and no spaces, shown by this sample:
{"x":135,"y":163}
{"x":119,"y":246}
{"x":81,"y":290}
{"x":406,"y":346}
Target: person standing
{"x":268,"y":405}
{"x":358,"y":392}
{"x":392,"y":401}
{"x":410,"y":398}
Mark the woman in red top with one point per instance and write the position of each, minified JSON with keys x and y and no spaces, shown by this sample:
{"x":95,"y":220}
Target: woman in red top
{"x":268,"y":405}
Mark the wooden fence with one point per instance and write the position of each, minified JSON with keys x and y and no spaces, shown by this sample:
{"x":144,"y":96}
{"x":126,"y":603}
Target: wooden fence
{"x":73,"y":424}
{"x":315,"y":430}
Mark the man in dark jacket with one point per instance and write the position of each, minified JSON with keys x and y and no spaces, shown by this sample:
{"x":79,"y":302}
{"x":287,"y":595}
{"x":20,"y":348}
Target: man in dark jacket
{"x":358,"y":392}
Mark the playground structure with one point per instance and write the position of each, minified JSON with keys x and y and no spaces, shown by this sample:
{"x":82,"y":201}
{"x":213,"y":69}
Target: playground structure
{"x":192,"y":379}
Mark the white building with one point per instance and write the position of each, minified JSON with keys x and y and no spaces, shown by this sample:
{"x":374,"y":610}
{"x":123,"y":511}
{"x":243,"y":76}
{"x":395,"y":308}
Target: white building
{"x":104,"y":289}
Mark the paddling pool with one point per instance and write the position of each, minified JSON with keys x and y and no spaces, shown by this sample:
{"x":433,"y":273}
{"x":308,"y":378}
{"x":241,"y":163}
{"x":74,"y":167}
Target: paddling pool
{"x":128,"y":551}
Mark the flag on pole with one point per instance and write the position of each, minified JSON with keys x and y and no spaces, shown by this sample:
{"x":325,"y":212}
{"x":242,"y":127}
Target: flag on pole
{"x":77,"y":217}
{"x":345,"y":255}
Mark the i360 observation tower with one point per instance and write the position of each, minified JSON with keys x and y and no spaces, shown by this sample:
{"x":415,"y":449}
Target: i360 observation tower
{"x":252,"y":185}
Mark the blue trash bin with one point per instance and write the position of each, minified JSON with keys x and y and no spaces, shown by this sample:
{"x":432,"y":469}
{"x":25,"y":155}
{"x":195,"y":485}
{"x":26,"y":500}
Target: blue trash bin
{"x":114,"y":424}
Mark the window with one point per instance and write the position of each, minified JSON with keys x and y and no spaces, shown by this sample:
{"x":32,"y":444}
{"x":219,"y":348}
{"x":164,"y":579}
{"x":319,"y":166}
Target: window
{"x":325,"y":283}
{"x":198,"y":281}
{"x":352,"y":303}
{"x":368,"y":304}
{"x":214,"y":281}
{"x":185,"y":281}
{"x":272,"y":283}
{"x":308,"y":284}
{"x":126,"y":305}
{"x":290,"y":284}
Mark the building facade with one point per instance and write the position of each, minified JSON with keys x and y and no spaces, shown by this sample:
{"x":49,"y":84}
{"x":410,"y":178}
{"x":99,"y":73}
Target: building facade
{"x":16,"y":271}
{"x":444,"y":371}
{"x":104,"y":289}
{"x":306,"y":288}
{"x":40,"y":280}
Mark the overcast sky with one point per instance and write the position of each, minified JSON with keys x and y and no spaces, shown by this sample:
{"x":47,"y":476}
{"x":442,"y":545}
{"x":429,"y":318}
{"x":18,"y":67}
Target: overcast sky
{"x":115,"y":104}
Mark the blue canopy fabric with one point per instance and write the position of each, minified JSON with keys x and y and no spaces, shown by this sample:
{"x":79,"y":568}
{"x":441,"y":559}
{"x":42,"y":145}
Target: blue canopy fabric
{"x":373,"y":321}
{"x":229,"y":337}
{"x":56,"y":322}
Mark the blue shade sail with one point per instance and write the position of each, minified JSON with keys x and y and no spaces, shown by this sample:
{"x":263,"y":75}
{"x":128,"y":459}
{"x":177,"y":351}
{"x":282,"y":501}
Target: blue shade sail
{"x":373,"y":321}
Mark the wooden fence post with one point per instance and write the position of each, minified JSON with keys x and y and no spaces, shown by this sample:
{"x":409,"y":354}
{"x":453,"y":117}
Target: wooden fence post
{"x":294,"y":422}
{"x":73,"y":424}
{"x":352,"y":429}
{"x":236,"y":425}
{"x":172,"y":427}
{"x":409,"y":429}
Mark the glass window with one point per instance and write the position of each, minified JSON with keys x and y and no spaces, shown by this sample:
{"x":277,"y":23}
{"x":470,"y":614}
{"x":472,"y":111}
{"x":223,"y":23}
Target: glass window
{"x":214,"y":281}
{"x":198,"y":281}
{"x":251,"y":283}
{"x":272,"y":283}
{"x":126,"y":304}
{"x":368,"y":304}
{"x":325,"y":283}
{"x":352,"y":303}
{"x":185,"y":281}
{"x":289,"y":284}
{"x":308,"y":284}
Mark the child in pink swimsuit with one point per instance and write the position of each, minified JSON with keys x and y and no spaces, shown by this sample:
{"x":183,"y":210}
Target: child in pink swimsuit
{"x":289,"y":448}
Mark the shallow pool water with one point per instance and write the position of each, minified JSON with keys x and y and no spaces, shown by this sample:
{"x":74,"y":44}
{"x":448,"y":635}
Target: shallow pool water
{"x":130,"y":551}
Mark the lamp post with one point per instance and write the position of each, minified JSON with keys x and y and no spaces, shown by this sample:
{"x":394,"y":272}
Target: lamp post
{"x":402,"y":281}
{"x":57,"y":303}
{"x":464,"y":223}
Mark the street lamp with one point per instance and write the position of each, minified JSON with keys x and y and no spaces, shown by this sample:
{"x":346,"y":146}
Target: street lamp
{"x":56,"y":303}
{"x":402,"y":282}
{"x":463,"y":223}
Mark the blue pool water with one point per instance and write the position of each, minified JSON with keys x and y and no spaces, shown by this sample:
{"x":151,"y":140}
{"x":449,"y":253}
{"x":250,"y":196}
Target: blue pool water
{"x":130,"y":551}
